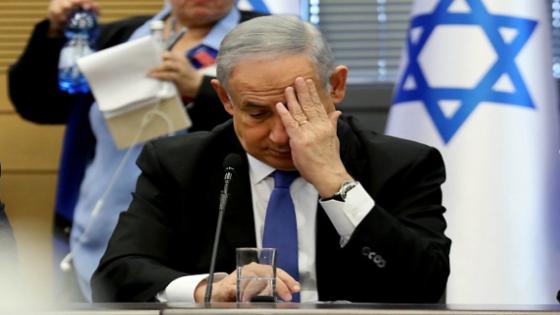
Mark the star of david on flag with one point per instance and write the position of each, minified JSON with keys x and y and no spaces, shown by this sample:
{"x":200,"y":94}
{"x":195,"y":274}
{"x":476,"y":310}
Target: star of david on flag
{"x":476,"y":83}
{"x":449,"y":106}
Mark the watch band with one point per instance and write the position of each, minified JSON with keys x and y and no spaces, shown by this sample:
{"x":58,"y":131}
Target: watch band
{"x":340,"y":195}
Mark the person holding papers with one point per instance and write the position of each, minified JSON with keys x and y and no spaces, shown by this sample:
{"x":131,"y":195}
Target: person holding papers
{"x":90,"y":159}
{"x":366,"y":221}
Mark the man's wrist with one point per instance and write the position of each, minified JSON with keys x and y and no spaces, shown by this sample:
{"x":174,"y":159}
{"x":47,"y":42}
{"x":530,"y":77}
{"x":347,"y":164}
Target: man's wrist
{"x":330,"y":187}
{"x":340,"y":195}
{"x":200,"y":291}
{"x":185,"y":289}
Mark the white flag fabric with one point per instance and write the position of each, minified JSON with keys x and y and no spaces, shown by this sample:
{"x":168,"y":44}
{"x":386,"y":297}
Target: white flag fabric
{"x":476,"y":82}
{"x":292,"y":7}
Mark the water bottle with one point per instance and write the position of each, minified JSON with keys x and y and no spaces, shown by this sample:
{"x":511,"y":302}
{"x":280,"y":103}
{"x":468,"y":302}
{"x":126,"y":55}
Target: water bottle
{"x":156,"y":31}
{"x":81,"y":32}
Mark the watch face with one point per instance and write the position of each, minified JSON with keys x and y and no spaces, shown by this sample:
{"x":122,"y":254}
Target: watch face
{"x":344,"y":189}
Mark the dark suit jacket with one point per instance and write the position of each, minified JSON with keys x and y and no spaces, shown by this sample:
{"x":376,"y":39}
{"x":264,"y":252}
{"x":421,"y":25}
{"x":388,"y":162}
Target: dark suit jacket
{"x":398,"y":253}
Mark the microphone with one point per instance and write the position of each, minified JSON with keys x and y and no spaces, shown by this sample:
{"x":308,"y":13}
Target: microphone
{"x":231,"y":163}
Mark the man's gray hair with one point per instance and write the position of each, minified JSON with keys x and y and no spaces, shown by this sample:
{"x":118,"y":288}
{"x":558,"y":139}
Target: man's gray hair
{"x":273,"y":36}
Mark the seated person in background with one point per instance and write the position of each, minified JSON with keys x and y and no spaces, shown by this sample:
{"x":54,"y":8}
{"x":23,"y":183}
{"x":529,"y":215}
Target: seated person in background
{"x":90,"y":159}
{"x":370,"y":224}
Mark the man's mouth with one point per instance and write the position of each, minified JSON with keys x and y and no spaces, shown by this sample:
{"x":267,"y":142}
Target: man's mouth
{"x":281,"y":152}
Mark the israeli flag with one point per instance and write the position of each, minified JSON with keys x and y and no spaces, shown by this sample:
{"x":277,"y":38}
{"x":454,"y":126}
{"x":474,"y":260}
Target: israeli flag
{"x":290,"y":7}
{"x":476,"y":82}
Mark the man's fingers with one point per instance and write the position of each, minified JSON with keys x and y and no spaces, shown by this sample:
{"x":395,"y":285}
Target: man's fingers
{"x":254,"y":288}
{"x":167,"y":55}
{"x":316,"y":109}
{"x":288,"y":121}
{"x":91,"y":5}
{"x":163,"y":75}
{"x":290,"y":282}
{"x":59,"y":11}
{"x":333,"y":117}
{"x":305,"y":100}
{"x":95,"y":8}
{"x":283,"y":291}
{"x":225,"y":289}
{"x":294,"y":105}
{"x":308,"y":98}
{"x":167,"y":66}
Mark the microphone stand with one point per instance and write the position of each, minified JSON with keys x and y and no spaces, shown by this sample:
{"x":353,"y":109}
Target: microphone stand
{"x":223,"y":202}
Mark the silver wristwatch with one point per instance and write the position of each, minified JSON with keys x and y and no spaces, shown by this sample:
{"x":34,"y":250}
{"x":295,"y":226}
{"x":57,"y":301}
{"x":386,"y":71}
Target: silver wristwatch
{"x":340,"y":195}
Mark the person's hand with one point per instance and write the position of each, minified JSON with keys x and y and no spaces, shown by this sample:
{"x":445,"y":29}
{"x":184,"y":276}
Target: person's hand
{"x":177,"y":69}
{"x":60,"y":9}
{"x":225,"y":289}
{"x":313,"y":140}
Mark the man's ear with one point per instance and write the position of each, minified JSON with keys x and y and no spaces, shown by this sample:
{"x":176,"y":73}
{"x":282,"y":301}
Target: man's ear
{"x":222,"y":94}
{"x":338,"y":83}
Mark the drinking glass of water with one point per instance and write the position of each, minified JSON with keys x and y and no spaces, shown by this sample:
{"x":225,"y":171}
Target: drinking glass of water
{"x":256,"y":274}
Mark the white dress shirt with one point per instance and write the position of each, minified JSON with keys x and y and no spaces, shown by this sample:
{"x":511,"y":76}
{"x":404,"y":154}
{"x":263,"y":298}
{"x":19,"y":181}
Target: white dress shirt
{"x":345,"y":217}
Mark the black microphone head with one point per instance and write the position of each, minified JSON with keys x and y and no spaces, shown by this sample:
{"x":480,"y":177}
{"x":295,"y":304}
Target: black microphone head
{"x":232,"y":162}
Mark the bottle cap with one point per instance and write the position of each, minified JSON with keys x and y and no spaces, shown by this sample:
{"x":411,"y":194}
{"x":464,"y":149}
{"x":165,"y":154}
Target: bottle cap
{"x":156,"y":25}
{"x":81,"y":22}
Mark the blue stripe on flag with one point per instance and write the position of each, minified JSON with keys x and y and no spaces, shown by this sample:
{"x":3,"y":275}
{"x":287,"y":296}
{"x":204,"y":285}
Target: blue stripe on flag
{"x":260,"y":6}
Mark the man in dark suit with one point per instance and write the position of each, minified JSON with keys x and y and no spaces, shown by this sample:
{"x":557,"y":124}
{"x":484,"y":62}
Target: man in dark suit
{"x":375,"y":235}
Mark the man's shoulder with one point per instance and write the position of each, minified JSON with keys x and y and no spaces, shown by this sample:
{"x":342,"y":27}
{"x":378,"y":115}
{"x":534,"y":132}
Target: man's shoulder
{"x":378,"y":159}
{"x":388,"y":155}
{"x":197,"y":142}
{"x":380,"y":142}
{"x":188,"y":155}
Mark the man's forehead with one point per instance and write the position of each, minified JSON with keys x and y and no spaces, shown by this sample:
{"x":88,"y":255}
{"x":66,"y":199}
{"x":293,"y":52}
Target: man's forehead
{"x":271,"y":73}
{"x":280,"y":82}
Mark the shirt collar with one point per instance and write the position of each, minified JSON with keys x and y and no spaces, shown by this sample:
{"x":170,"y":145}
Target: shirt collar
{"x":258,"y":170}
{"x":220,"y":30}
{"x":144,"y":30}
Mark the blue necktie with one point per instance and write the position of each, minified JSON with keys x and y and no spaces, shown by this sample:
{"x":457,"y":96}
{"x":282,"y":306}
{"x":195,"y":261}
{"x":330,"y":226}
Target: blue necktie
{"x":280,"y":226}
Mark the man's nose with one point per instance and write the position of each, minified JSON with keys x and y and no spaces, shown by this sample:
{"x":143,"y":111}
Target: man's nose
{"x":278,"y":132}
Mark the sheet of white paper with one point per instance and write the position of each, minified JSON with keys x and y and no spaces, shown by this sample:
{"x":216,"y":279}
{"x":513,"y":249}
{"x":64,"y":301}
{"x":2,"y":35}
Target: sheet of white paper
{"x":117,"y":76}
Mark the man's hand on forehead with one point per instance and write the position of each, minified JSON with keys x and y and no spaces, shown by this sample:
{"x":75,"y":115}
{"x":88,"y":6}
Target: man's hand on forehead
{"x":303,"y":103}
{"x":313,"y":139}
